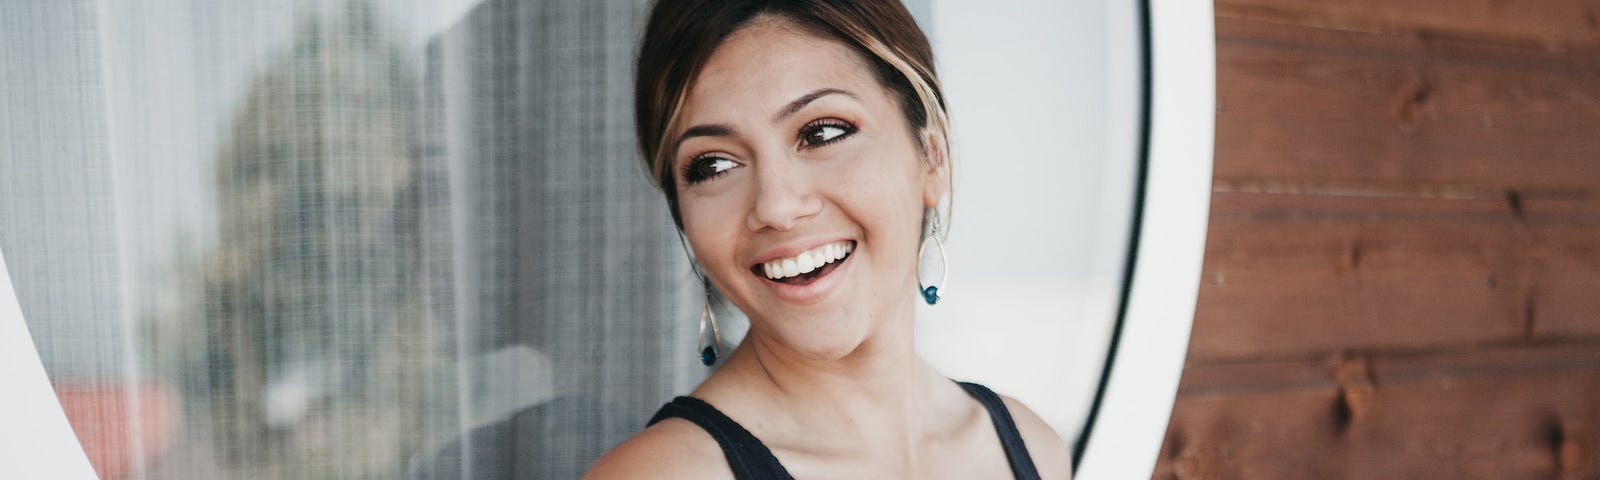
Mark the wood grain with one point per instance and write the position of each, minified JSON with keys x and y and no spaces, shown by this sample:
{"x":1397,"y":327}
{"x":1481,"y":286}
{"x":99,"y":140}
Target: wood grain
{"x":1402,"y":275}
{"x":1517,"y":413}
{"x":1552,"y":24}
{"x":1311,"y":274}
{"x":1308,"y":103}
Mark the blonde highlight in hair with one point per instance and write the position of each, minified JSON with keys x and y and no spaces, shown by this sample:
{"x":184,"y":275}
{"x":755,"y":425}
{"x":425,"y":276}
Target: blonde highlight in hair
{"x":662,"y":163}
{"x":933,"y":107}
{"x":921,"y":81}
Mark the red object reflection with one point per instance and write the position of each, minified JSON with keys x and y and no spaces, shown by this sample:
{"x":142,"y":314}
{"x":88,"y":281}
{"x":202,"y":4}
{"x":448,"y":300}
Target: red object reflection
{"x":119,"y":427}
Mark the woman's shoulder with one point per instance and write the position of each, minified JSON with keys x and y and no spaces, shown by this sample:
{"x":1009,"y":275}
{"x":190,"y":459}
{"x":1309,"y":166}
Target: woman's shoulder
{"x":672,"y":448}
{"x":1050,"y":453}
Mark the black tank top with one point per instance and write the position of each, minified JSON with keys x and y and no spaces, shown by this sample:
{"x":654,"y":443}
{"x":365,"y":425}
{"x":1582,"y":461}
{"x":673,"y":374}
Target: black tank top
{"x":750,"y":459}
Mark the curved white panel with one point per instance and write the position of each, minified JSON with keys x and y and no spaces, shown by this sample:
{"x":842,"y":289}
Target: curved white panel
{"x":36,"y":442}
{"x":1155,"y":334}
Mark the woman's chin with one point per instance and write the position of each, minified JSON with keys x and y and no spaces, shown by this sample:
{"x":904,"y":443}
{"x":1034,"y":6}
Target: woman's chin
{"x":827,"y":349}
{"x":814,"y":337}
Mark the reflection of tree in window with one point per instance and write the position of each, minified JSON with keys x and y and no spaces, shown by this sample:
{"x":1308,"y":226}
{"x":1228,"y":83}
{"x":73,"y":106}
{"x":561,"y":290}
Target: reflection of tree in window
{"x":307,"y":319}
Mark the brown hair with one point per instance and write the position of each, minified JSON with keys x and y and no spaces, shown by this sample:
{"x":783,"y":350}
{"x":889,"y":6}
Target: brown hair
{"x":682,"y":34}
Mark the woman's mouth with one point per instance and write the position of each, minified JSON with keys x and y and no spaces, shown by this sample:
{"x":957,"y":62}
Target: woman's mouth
{"x":807,"y":266}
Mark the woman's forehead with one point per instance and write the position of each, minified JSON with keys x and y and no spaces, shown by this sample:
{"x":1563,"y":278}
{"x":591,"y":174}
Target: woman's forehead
{"x":768,"y":63}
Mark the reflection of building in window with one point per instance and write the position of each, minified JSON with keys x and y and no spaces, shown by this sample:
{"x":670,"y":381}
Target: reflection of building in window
{"x":306,"y":349}
{"x":551,"y":240}
{"x":466,"y":276}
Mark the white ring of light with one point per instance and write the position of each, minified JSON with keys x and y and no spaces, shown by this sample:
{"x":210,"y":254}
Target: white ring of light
{"x":1144,"y":373}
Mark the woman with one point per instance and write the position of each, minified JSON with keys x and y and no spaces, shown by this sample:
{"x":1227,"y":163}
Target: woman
{"x":800,"y":145}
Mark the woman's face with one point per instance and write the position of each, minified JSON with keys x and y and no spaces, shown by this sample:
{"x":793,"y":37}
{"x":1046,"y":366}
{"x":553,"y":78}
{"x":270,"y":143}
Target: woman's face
{"x":792,"y":155}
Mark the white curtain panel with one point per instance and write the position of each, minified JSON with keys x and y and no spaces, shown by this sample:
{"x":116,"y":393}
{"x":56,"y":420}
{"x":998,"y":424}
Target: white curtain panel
{"x":365,"y":239}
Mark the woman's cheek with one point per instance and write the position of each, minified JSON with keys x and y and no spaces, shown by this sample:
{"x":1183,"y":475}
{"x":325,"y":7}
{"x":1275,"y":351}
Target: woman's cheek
{"x":713,"y":224}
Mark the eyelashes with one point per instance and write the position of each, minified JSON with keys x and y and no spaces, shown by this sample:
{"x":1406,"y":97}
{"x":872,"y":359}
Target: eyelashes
{"x":705,"y":167}
{"x":818,"y":133}
{"x":825,"y":131}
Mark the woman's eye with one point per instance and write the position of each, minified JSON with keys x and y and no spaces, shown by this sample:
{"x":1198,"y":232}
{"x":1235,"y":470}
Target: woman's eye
{"x":700,"y":169}
{"x":823,"y":133}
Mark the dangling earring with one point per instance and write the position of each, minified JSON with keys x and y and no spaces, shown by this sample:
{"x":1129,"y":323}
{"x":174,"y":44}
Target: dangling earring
{"x":709,"y":353}
{"x":930,"y":293}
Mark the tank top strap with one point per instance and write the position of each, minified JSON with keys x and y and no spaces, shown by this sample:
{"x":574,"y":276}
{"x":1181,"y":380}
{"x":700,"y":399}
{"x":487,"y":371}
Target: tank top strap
{"x":1010,"y":439}
{"x":747,"y":456}
{"x":751,"y":459}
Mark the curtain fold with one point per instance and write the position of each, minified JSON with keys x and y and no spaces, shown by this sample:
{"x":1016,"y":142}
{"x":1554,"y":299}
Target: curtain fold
{"x":339,"y":239}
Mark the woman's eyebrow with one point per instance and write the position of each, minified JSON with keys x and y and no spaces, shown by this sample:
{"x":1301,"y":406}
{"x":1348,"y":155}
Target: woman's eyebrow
{"x":806,"y":99}
{"x":703,"y":131}
{"x":717,"y":130}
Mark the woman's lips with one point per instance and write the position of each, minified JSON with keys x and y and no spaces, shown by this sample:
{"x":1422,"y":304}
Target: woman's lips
{"x":783,"y":269}
{"x":813,"y":285}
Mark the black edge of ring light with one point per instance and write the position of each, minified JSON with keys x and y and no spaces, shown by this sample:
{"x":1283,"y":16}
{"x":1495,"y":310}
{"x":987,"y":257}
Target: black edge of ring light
{"x":1141,"y":172}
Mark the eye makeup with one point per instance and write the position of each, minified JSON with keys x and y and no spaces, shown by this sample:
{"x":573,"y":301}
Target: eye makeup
{"x":818,"y":133}
{"x":825,"y":131}
{"x":704,"y":167}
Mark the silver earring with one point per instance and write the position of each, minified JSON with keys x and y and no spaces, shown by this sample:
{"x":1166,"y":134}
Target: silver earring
{"x":709,"y":353}
{"x":930,"y":293}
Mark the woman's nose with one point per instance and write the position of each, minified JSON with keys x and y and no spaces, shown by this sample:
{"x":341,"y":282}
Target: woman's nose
{"x":784,"y":195}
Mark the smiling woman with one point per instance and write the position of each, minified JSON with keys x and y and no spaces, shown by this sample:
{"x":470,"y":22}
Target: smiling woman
{"x":407,"y":239}
{"x":802,"y":147}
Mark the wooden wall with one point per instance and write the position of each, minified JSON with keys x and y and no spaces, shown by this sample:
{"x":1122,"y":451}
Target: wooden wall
{"x":1402,"y":275}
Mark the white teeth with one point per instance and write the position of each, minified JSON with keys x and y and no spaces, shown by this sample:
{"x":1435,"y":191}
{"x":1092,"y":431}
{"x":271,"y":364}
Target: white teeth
{"x":807,"y":261}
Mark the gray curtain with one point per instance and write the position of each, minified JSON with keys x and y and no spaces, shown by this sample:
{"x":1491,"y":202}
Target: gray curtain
{"x":352,"y":239}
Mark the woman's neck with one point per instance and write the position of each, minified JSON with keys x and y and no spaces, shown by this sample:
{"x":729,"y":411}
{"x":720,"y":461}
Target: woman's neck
{"x":880,"y":392}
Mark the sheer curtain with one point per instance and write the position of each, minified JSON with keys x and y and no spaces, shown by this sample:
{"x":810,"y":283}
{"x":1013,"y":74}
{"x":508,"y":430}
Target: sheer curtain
{"x":346,"y":239}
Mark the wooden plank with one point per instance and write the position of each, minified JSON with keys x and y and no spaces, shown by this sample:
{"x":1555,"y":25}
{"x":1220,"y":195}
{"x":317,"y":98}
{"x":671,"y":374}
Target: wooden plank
{"x":1291,"y":275}
{"x":1553,"y":24}
{"x":1563,"y":300}
{"x":1305,"y":103}
{"x":1491,"y":414}
{"x":1403,"y":266}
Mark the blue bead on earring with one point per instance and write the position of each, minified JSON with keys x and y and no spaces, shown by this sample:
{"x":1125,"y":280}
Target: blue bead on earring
{"x":930,"y":293}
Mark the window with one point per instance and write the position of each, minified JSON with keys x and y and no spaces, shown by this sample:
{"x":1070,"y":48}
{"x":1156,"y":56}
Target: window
{"x":395,"y":238}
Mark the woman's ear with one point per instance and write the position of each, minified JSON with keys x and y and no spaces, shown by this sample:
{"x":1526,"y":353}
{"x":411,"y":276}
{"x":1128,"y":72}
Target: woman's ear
{"x":936,"y":150}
